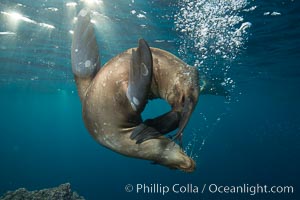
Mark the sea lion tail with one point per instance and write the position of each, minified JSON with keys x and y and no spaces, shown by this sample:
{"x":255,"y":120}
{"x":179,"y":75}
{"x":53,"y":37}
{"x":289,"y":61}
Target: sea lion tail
{"x":84,"y":52}
{"x":213,"y":86}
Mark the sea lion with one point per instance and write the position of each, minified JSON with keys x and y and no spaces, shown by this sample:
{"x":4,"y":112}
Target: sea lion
{"x":114,"y":96}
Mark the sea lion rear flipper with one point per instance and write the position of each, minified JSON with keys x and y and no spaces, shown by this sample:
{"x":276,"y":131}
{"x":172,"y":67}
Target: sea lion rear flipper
{"x":85,"y":52}
{"x":154,"y":128}
{"x":140,"y":76}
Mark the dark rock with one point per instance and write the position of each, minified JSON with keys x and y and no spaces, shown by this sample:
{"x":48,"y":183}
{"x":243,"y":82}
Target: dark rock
{"x":62,"y":192}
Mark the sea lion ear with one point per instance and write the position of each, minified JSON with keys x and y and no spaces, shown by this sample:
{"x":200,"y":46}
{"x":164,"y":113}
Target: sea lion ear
{"x":140,"y":76}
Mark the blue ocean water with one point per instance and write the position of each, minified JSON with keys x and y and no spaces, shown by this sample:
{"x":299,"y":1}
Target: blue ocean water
{"x":251,"y":138}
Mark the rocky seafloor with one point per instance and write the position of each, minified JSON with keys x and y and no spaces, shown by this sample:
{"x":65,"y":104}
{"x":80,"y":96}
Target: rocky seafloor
{"x":62,"y":192}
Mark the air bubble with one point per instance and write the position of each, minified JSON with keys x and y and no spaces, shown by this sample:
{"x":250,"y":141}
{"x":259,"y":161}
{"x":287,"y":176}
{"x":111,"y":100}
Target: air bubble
{"x":212,"y":33}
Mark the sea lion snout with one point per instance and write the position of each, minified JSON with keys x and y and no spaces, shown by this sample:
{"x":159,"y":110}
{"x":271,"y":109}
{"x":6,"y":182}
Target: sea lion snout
{"x":175,"y":158}
{"x":189,"y":165}
{"x":185,"y":163}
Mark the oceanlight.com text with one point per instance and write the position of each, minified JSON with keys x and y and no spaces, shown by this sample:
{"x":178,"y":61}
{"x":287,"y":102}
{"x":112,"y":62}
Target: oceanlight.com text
{"x":249,"y":189}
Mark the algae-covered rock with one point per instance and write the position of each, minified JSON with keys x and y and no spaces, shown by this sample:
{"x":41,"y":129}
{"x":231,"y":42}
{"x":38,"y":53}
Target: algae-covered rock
{"x":62,"y":192}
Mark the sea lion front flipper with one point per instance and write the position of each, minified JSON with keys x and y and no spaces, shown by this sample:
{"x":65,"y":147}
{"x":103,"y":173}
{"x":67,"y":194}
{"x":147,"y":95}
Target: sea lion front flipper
{"x":165,"y":123}
{"x":143,"y":132}
{"x":154,"y":128}
{"x":140,"y":76}
{"x":185,"y":116}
